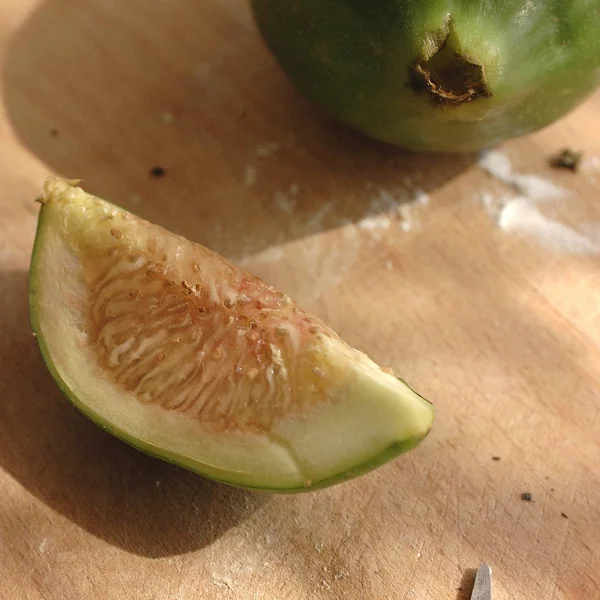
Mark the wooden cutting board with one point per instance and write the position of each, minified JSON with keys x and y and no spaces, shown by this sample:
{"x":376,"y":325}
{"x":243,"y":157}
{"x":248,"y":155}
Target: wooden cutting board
{"x":500,"y":328}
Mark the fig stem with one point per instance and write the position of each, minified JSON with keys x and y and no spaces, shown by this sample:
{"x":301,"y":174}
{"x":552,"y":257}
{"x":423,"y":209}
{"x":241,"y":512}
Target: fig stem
{"x":449,"y":76}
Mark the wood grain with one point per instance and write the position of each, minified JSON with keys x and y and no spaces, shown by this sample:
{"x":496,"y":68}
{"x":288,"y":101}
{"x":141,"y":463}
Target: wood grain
{"x":501,"y":333}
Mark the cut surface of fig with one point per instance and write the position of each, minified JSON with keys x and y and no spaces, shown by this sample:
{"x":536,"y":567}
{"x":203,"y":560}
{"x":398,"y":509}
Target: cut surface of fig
{"x":187,"y":357}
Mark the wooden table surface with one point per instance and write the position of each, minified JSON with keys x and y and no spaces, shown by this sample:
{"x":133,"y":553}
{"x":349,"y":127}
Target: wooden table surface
{"x":501,"y":332}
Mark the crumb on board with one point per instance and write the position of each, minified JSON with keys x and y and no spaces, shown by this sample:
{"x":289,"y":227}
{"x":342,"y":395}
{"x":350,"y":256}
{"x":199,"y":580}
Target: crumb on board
{"x":564,"y":515}
{"x":495,"y":458}
{"x":157,"y":171}
{"x":567,"y":159}
{"x":526,"y":497}
{"x":168,"y":118}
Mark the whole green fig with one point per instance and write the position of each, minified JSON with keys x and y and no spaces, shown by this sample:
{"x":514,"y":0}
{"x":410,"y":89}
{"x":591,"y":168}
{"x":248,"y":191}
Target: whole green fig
{"x":438,"y":75}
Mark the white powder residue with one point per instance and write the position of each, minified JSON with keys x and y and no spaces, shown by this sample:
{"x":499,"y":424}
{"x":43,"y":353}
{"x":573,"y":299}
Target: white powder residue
{"x":421,"y":198}
{"x":537,"y":188}
{"x":315,"y":223}
{"x":522,"y":216}
{"x":284,"y":202}
{"x":521,"y":213}
{"x":490,"y":203}
{"x":42,"y":546}
{"x":385,"y":200}
{"x":496,"y":164}
{"x":374,"y":223}
{"x":250,"y":175}
{"x":268,"y":149}
{"x":392,"y":206}
{"x":405,"y":213}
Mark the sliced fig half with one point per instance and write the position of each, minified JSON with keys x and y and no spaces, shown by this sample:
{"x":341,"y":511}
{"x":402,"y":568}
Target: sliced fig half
{"x":187,"y":357}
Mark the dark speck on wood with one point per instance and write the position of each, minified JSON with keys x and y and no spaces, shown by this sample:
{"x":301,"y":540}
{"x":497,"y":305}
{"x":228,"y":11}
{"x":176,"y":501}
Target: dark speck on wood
{"x":566,"y":159}
{"x":157,"y":172}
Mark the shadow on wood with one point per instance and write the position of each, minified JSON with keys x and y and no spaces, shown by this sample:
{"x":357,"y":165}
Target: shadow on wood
{"x":128,"y":499}
{"x":465,"y":589}
{"x":202,"y":99}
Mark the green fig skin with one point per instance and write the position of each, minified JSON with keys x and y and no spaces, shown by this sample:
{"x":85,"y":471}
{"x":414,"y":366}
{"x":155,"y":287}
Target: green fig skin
{"x":438,"y":75}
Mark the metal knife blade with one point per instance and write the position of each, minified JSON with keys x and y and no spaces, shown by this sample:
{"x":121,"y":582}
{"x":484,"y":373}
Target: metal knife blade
{"x":482,"y":589}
